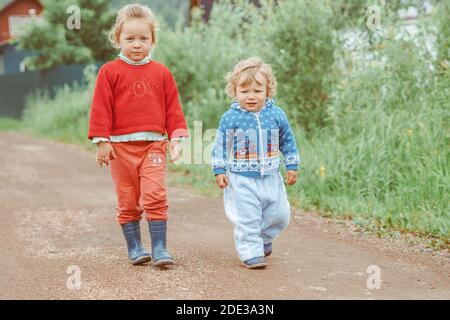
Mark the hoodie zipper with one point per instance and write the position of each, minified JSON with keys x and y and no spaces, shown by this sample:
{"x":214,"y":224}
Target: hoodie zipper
{"x":260,"y":139}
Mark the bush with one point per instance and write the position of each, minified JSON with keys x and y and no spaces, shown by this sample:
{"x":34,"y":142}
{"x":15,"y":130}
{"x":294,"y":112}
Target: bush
{"x":385,"y":155}
{"x":65,"y":117}
{"x":294,"y":36}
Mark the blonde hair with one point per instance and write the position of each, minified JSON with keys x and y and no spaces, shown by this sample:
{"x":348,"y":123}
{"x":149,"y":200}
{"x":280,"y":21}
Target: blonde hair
{"x":249,"y":69}
{"x":128,"y":12}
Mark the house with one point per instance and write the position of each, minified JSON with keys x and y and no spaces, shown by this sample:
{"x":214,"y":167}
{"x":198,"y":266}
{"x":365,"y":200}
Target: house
{"x":208,"y":4}
{"x":14,"y":15}
{"x":205,"y":4}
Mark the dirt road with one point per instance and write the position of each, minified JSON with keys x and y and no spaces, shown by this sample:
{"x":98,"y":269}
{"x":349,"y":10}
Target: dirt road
{"x":58,"y":224}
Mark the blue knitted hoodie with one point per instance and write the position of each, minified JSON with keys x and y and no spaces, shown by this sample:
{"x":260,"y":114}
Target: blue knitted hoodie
{"x":255,"y":139}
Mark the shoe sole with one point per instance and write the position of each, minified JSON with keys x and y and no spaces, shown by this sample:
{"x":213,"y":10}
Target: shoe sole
{"x":164,"y":263}
{"x":267,"y":254}
{"x":256,"y":265}
{"x":141,"y":260}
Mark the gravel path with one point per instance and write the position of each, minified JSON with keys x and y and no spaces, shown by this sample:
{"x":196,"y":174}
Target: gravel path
{"x":57,"y":219}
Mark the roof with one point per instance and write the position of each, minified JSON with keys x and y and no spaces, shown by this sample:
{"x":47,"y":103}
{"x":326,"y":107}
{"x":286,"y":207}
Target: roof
{"x":5,"y":5}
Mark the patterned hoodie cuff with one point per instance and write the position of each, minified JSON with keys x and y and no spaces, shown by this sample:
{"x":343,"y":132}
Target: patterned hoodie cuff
{"x":292,"y":161}
{"x":292,"y":167}
{"x":218,"y":171}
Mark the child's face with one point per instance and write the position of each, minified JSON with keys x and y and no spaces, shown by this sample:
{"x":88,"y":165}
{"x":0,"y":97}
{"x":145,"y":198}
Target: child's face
{"x":252,"y":96}
{"x":135,"y":39}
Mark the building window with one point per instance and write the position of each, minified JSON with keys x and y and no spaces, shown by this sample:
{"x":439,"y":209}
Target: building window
{"x":17,"y":24}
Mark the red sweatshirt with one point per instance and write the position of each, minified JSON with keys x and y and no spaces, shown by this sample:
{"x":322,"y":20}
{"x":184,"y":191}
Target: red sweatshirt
{"x":133,"y":98}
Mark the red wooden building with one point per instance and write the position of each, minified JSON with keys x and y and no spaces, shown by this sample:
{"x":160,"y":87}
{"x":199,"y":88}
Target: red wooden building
{"x":14,"y":16}
{"x":208,"y":4}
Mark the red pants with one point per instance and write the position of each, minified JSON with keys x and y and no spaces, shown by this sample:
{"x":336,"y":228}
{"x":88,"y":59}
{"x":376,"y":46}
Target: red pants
{"x":139,"y":174}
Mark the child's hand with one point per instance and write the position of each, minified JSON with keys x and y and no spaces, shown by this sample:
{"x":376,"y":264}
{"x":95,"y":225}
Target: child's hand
{"x":221,"y":180}
{"x":105,"y":152}
{"x":176,"y":149}
{"x":291,"y":177}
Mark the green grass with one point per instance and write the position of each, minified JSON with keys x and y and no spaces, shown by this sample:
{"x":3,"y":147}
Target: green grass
{"x":8,"y":124}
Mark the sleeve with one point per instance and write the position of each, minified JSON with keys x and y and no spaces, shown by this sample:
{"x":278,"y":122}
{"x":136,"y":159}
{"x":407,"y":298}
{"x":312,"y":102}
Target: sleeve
{"x":101,"y":116}
{"x":178,"y":138}
{"x":175,"y":121}
{"x":288,"y":145}
{"x":222,"y":147}
{"x":96,"y":140}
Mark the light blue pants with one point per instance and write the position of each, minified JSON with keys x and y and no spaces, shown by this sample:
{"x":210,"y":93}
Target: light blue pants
{"x":259,"y":210}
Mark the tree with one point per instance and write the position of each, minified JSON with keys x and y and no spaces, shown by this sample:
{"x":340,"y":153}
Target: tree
{"x":53,"y":43}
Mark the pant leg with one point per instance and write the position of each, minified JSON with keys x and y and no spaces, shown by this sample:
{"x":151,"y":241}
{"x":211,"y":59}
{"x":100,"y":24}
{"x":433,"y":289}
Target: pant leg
{"x":124,"y":172}
{"x":153,"y":181}
{"x":276,"y":212}
{"x":244,"y":209}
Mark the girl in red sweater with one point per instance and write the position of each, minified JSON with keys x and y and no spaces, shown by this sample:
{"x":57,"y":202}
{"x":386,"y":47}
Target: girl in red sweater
{"x":135,"y":104}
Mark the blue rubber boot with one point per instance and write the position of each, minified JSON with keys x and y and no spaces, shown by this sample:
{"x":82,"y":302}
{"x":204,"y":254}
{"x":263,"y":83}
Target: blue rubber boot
{"x":267,"y":249}
{"x":136,"y":252}
{"x":158,"y":231}
{"x":255,"y":263}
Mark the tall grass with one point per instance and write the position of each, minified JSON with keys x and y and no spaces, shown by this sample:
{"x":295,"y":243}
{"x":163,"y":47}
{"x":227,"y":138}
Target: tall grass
{"x":65,"y":116}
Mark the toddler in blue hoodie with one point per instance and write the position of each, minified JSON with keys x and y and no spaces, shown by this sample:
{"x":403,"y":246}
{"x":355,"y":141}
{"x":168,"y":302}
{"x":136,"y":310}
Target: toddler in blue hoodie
{"x":246,"y":160}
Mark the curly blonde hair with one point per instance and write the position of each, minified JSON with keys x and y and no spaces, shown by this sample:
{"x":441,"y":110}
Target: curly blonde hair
{"x":249,"y":70}
{"x":128,"y":12}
